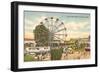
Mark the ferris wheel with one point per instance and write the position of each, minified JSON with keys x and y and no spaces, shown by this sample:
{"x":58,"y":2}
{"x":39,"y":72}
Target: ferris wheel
{"x":56,"y":28}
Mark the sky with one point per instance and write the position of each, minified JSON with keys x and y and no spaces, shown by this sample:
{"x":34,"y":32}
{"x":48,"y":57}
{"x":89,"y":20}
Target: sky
{"x":77,"y":24}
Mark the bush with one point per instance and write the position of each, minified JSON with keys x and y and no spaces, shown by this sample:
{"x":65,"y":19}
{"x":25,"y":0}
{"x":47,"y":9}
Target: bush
{"x":56,"y":54}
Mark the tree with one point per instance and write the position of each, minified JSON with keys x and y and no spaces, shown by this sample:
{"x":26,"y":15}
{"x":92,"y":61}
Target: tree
{"x":41,"y":34}
{"x":77,"y":44}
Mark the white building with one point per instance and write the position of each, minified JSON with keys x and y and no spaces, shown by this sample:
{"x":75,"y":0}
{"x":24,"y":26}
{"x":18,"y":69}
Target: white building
{"x":30,"y":47}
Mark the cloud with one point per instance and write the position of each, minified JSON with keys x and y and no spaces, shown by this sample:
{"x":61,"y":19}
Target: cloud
{"x":30,"y":26}
{"x":77,"y":30}
{"x":74,"y":29}
{"x":77,"y":26}
{"x":78,"y":34}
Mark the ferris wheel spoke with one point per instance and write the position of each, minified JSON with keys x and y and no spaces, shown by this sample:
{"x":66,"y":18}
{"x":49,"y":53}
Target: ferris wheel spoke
{"x":60,"y":30}
{"x":49,"y":23}
{"x":56,"y":28}
{"x":56,"y":25}
{"x":59,"y":38}
{"x":60,"y":24}
{"x":43,"y":30}
{"x":46,"y":23}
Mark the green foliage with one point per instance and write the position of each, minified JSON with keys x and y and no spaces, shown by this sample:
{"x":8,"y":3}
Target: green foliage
{"x":56,"y":54}
{"x":76,"y":44}
{"x":41,"y":35}
{"x":83,"y":45}
{"x":28,"y":58}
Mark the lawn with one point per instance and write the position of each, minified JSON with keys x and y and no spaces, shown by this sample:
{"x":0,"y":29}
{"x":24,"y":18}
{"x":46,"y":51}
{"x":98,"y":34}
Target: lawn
{"x":28,"y":58}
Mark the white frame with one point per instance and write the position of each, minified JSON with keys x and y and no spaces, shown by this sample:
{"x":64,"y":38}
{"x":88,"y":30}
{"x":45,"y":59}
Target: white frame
{"x":23,"y":64}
